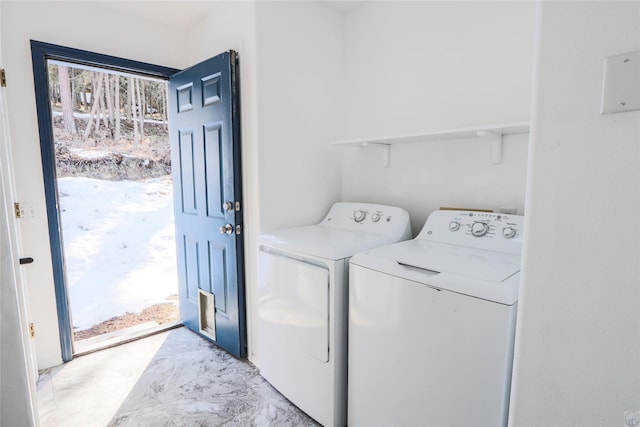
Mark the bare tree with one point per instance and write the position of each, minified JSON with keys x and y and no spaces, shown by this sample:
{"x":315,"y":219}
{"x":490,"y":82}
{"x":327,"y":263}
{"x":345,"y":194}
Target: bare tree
{"x":140,"y":109}
{"x":109,"y":99}
{"x":164,"y":106}
{"x":134,"y":113}
{"x":102,"y":111}
{"x":66,"y":99}
{"x":116,"y":93}
{"x":95,"y":104}
{"x":74,"y":90}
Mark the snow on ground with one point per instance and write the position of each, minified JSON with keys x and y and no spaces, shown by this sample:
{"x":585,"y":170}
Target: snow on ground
{"x":87,"y":115}
{"x":119,"y":246}
{"x":89,"y":155}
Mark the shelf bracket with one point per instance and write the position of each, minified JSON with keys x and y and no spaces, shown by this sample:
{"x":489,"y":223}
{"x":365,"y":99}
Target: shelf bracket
{"x":386,"y":151}
{"x":496,"y":144}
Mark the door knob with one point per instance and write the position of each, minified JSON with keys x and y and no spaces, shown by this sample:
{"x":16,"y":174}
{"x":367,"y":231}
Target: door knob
{"x":227,"y":206}
{"x":226,"y":229}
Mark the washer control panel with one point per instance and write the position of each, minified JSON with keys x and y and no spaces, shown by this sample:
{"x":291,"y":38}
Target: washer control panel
{"x":389,"y":221}
{"x":360,"y":215}
{"x":484,"y":230}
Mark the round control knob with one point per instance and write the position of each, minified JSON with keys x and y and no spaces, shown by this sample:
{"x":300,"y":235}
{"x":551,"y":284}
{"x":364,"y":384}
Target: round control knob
{"x":359,"y":215}
{"x":375,"y":217}
{"x":454,"y":226}
{"x":479,"y":229}
{"x":509,"y":232}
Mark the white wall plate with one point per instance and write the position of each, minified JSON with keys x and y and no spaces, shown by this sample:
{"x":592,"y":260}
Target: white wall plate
{"x":621,"y":83}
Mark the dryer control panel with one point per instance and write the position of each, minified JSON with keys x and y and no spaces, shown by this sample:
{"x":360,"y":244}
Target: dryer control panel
{"x":388,"y":221}
{"x":482,"y":230}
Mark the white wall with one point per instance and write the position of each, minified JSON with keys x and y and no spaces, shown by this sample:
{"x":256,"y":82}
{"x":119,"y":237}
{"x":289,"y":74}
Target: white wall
{"x":83,"y":25}
{"x":415,"y":67}
{"x":17,"y":366}
{"x":15,"y":398}
{"x":578,"y":347}
{"x":300,"y":85}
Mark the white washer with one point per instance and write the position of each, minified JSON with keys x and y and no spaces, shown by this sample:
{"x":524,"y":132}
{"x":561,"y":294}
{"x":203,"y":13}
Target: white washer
{"x":301,"y":327}
{"x":432,"y":324}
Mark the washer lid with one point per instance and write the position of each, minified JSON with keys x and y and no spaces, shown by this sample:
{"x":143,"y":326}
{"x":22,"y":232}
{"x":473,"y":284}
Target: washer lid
{"x":324,"y":242}
{"x":489,"y":275}
{"x":463,"y":261}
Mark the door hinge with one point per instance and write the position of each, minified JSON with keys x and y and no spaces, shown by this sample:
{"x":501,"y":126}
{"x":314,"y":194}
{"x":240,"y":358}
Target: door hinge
{"x":238,"y":229}
{"x":32,"y":330}
{"x":3,"y":78}
{"x":237,"y":206}
{"x":16,"y":208}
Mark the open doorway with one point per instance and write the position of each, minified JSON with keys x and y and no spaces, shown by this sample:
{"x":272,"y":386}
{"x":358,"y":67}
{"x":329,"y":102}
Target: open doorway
{"x":113,"y":175}
{"x":204,"y":128}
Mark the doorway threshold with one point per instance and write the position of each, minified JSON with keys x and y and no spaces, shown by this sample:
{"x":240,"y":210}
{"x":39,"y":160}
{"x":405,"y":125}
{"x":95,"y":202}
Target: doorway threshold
{"x":122,"y":336}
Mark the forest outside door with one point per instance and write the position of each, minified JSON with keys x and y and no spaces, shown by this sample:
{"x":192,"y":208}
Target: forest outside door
{"x":205,"y":144}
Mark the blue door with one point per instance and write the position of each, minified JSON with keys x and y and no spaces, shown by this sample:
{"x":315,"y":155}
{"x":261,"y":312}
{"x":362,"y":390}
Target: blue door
{"x":205,"y":144}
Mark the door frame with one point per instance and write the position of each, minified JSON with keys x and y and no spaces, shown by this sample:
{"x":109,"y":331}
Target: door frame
{"x":41,"y":52}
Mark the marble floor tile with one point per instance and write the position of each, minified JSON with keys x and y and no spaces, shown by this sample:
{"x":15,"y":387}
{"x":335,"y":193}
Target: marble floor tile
{"x":175,"y":378}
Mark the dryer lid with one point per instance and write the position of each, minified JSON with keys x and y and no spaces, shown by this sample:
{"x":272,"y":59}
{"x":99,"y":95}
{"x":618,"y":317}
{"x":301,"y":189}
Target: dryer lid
{"x":468,"y":262}
{"x":324,"y":242}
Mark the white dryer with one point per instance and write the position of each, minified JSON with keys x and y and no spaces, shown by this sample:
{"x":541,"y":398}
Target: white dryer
{"x":301,"y":327}
{"x":432,"y":324}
